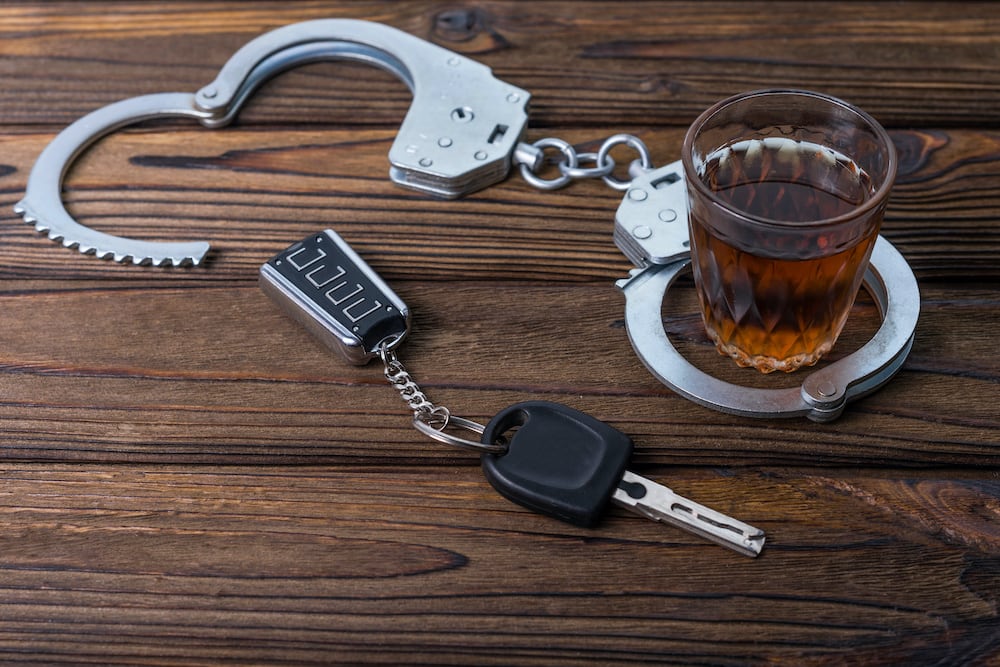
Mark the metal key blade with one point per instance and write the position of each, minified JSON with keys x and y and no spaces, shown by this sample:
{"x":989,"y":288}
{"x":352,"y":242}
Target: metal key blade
{"x":657,"y":502}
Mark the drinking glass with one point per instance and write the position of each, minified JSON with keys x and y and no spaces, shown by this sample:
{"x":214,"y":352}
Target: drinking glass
{"x":786,"y":193}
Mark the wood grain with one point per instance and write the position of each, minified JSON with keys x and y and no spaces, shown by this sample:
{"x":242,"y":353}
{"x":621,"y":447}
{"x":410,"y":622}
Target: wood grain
{"x":249,"y":191}
{"x":187,"y":478}
{"x":300,"y":564}
{"x":193,"y":374}
{"x":925,"y":64}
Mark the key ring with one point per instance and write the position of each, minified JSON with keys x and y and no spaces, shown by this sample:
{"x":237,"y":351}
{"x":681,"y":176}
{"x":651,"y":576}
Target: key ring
{"x":440,"y":435}
{"x":428,"y":418}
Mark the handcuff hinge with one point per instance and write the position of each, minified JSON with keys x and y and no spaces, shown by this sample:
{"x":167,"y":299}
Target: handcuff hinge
{"x":459,"y":135}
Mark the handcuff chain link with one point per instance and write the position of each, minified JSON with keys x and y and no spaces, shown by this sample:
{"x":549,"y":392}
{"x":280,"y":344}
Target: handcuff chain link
{"x":531,"y":159}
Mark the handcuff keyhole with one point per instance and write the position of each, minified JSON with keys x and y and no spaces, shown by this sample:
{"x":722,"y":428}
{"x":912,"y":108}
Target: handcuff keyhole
{"x":462,"y":115}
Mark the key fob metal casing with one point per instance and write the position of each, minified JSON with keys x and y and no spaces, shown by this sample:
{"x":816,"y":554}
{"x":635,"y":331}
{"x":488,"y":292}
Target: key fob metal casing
{"x":560,"y":461}
{"x":326,"y":287}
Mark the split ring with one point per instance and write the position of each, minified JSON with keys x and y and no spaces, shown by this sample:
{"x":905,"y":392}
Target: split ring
{"x":440,"y":435}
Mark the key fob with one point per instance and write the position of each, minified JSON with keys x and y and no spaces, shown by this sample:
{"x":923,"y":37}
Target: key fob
{"x":559,"y":461}
{"x":326,"y":287}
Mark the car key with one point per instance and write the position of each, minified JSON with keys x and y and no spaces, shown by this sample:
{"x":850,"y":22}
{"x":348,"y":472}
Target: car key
{"x":556,"y":460}
{"x":566,"y":464}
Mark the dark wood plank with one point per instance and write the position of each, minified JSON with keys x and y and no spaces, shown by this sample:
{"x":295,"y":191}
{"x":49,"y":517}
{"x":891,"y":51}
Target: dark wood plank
{"x":184,"y":565}
{"x":187,"y":478}
{"x":926,"y":63}
{"x":251,"y":192}
{"x":140,"y":372}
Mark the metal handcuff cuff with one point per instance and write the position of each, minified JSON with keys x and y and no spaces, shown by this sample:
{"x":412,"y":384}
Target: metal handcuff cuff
{"x":463,"y":133}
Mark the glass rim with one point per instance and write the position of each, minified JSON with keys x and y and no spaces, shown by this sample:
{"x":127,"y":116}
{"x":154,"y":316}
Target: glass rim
{"x":877,"y":199}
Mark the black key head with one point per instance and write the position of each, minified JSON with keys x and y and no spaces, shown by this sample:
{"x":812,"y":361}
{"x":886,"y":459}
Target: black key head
{"x":560,"y":461}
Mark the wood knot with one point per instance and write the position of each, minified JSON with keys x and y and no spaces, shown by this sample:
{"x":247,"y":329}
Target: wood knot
{"x":914,"y":148}
{"x":467,"y":30}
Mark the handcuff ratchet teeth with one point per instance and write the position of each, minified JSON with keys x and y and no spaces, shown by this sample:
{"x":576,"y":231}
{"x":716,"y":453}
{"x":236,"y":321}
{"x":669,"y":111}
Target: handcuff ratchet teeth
{"x":459,"y":135}
{"x":463,"y":133}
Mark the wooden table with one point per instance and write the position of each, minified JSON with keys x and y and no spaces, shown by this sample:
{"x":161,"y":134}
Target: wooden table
{"x":189,"y":478}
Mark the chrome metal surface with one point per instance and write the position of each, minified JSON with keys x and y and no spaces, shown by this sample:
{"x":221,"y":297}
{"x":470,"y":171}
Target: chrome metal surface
{"x":651,"y":221}
{"x":424,"y":410}
{"x":338,"y":309}
{"x":430,"y":419}
{"x":826,"y":391}
{"x":655,"y":501}
{"x":528,"y":169}
{"x":603,"y":154}
{"x":530,"y":160}
{"x":42,"y":203}
{"x":462,"y":126}
{"x":457,"y":137}
{"x":441,"y":435}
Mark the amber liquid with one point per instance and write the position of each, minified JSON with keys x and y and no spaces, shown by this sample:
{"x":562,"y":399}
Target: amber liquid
{"x":776,"y":296}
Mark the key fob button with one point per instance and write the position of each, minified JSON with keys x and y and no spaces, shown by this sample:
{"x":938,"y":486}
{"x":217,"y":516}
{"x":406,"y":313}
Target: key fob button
{"x":328,"y":288}
{"x":559,"y":461}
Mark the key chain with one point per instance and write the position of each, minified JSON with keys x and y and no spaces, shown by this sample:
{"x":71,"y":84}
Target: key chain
{"x":558,"y":461}
{"x":325,"y":286}
{"x":463,"y":132}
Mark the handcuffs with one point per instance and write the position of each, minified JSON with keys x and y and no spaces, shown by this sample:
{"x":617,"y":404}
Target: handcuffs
{"x":463,"y":132}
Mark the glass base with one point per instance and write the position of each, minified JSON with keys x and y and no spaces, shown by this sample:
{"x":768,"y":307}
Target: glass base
{"x":766,"y":364}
